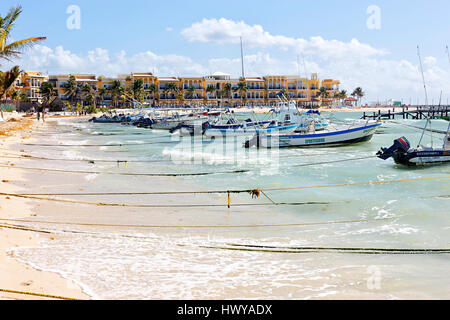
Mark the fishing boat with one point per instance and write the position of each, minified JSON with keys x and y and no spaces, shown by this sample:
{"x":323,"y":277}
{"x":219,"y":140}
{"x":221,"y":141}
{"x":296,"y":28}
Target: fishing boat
{"x":402,"y":153}
{"x":108,"y":119}
{"x":228,"y":125}
{"x":332,"y":136}
{"x":173,"y":122}
{"x":289,"y":114}
{"x":401,"y":150}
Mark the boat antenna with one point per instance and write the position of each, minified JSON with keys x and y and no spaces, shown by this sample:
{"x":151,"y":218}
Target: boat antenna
{"x":426,"y":98}
{"x":306,"y":73}
{"x":242,"y":60}
{"x":423,"y":77}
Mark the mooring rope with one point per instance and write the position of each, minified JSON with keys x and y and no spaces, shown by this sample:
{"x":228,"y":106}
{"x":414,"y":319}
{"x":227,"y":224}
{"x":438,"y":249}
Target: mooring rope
{"x":250,"y":191}
{"x":361,"y":250}
{"x":97,"y":145}
{"x":37,"y":294}
{"x":128,"y":174}
{"x":189,"y":226}
{"x":334,"y":161}
{"x":358,"y":183}
{"x":102,"y":204}
{"x":30,"y":157}
{"x":419,"y":128}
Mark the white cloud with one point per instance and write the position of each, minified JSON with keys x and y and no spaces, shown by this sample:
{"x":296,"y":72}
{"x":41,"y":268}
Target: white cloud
{"x":100,"y":61}
{"x":169,"y":29}
{"x":353,"y":62}
{"x":224,"y":31}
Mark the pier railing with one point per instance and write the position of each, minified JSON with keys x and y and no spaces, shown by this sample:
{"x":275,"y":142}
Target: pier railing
{"x":409,"y":112}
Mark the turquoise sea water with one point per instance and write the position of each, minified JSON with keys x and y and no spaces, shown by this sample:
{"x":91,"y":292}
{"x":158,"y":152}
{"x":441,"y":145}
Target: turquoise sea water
{"x":169,"y":263}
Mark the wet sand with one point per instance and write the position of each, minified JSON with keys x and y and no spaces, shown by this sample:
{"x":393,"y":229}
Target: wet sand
{"x":15,"y":275}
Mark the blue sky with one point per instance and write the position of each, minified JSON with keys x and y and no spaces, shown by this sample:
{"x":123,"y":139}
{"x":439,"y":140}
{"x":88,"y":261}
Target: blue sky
{"x":122,"y":31}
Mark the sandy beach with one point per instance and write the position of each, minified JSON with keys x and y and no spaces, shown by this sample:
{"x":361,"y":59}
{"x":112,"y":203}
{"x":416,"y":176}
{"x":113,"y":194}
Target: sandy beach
{"x":14,"y":275}
{"x":113,"y":252}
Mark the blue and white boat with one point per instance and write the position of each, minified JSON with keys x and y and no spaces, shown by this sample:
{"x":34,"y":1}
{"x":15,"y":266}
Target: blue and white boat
{"x":289,"y":114}
{"x":331,"y":136}
{"x":249,"y":131}
{"x":402,"y":153}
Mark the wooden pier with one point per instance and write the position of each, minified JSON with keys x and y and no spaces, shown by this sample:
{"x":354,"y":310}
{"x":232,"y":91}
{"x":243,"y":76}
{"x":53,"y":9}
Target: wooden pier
{"x":412,"y":112}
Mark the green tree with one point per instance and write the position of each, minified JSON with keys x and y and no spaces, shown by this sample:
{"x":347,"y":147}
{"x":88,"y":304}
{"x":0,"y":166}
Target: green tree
{"x":358,"y":93}
{"x":190,"y":92}
{"x":48,"y":92}
{"x":88,"y":95}
{"x":172,"y":88}
{"x":71,"y":89}
{"x":153,"y":88}
{"x":138,"y":90}
{"x":210,"y":89}
{"x":7,"y":80}
{"x":228,"y":88}
{"x":117,"y":92}
{"x":242,"y":89}
{"x":8,"y":51}
{"x":101,"y":95}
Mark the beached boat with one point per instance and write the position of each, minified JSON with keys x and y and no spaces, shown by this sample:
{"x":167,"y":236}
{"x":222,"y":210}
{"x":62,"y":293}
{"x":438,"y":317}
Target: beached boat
{"x":309,"y":138}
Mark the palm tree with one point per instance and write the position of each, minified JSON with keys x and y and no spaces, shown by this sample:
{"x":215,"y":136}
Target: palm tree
{"x":71,"y":88}
{"x":242,"y":88}
{"x":358,"y":93}
{"x":117,"y":91}
{"x":219,"y":95}
{"x":322,"y":93}
{"x":7,"y":80}
{"x":101,"y":95}
{"x":138,"y":90}
{"x":88,"y":94}
{"x":12,"y":50}
{"x":209,"y":89}
{"x":180,"y":97}
{"x":227,"y":89}
{"x":172,"y":88}
{"x":48,"y":91}
{"x":153,"y":88}
{"x":342,"y":95}
{"x":190,"y":92}
{"x":284,"y":93}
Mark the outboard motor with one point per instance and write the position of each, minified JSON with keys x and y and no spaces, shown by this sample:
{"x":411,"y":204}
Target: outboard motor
{"x":401,"y":145}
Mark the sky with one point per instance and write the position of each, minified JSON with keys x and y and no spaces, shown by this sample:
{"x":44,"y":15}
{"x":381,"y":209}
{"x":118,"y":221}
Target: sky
{"x":371,"y":44}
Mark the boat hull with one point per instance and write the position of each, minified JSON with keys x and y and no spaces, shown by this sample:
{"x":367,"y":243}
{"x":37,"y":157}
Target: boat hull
{"x":421,"y":158}
{"x":248,"y":131}
{"x":339,"y":137}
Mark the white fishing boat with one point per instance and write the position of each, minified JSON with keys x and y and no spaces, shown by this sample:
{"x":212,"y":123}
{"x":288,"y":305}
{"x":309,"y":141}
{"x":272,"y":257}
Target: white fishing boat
{"x":331,"y":136}
{"x":249,"y":130}
{"x":289,"y":114}
{"x":171,"y":123}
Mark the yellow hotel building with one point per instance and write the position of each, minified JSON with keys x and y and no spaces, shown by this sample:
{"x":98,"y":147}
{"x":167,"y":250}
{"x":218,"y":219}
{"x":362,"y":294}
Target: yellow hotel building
{"x":211,"y":90}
